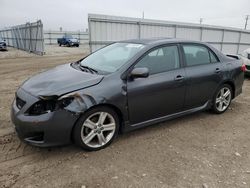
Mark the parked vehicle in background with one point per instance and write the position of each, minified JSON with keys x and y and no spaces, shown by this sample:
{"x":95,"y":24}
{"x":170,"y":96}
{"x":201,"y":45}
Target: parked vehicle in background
{"x":122,"y":87}
{"x":68,"y":40}
{"x":246,"y":59}
{"x":3,"y":45}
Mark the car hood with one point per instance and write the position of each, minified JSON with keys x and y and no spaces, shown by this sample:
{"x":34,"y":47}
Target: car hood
{"x":60,"y":80}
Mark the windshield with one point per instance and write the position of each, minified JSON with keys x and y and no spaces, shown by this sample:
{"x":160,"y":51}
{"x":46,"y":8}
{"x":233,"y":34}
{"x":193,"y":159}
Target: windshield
{"x":111,"y":58}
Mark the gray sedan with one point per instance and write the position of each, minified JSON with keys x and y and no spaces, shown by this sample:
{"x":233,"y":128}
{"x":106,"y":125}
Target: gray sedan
{"x":121,"y":87}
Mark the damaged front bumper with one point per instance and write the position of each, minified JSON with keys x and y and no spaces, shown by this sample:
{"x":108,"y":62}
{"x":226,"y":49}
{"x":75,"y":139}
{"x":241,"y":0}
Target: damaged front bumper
{"x":49,"y":129}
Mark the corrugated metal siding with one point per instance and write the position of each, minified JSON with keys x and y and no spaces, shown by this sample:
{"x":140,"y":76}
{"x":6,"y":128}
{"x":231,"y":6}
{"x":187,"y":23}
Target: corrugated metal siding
{"x":28,"y":37}
{"x":103,"y":32}
{"x":230,"y":36}
{"x":245,"y":38}
{"x":149,"y":31}
{"x":209,"y":35}
{"x":229,"y":48}
{"x":188,"y":33}
{"x":105,"y":29}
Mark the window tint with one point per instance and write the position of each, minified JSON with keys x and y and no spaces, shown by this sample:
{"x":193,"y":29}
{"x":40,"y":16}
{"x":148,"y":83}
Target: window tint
{"x":112,"y":57}
{"x":213,"y":58}
{"x":117,"y":54}
{"x":158,"y":52}
{"x":196,"y":55}
{"x":161,"y":60}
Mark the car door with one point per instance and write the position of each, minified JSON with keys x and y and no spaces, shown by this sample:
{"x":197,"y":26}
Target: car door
{"x":203,"y":74}
{"x":163,"y":91}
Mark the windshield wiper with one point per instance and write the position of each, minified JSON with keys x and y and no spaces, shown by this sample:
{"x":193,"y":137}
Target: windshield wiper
{"x":88,"y":68}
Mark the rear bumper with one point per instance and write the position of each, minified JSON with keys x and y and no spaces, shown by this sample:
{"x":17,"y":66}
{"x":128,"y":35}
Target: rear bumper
{"x":46,"y":130}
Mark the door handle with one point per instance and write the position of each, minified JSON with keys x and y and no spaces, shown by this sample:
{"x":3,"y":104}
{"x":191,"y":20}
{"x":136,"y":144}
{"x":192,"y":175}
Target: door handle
{"x":217,"y":70}
{"x":179,"y":78}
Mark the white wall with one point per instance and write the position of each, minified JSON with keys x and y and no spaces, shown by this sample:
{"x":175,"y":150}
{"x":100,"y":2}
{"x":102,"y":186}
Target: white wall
{"x":105,"y":29}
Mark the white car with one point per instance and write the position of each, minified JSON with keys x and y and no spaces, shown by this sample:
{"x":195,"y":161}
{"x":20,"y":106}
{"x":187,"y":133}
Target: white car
{"x":246,"y":59}
{"x":3,"y":45}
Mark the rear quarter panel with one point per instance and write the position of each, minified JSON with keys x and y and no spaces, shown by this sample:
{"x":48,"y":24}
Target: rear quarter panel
{"x":234,"y":74}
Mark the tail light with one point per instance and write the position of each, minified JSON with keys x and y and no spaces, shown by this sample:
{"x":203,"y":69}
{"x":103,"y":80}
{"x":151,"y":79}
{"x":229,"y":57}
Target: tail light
{"x":243,"y":68}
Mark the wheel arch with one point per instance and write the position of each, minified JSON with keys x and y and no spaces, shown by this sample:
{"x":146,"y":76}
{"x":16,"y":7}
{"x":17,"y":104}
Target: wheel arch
{"x":113,"y":107}
{"x":231,"y":83}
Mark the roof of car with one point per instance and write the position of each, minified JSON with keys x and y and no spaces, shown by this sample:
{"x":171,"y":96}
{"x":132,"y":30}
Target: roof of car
{"x":157,"y":40}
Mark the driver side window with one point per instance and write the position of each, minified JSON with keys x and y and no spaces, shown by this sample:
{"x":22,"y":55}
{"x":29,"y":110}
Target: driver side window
{"x":161,"y":60}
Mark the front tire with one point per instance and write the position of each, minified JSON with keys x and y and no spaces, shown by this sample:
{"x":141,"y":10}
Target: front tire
{"x":96,"y":129}
{"x":222,"y":99}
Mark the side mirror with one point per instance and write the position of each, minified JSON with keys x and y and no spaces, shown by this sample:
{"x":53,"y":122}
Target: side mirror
{"x":142,"y":72}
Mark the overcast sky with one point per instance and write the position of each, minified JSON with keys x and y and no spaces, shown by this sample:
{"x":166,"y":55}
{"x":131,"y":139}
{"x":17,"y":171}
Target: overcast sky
{"x":72,"y":14}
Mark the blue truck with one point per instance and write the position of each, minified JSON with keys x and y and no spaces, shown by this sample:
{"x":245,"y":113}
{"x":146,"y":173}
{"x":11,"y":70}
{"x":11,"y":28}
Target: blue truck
{"x":68,"y":40}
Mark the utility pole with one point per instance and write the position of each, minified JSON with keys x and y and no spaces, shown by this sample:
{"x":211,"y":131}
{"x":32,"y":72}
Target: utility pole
{"x":201,"y":20}
{"x":142,"y":14}
{"x":246,"y":21}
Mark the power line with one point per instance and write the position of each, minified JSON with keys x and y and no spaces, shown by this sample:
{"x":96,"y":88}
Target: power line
{"x":201,"y":20}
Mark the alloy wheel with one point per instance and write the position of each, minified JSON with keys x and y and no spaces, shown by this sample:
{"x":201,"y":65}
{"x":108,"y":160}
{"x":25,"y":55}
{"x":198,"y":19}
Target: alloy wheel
{"x":223,"y":99}
{"x":98,"y":129}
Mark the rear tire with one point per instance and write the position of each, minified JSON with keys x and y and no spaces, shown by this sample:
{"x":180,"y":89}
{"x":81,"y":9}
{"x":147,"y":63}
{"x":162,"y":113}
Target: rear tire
{"x":222,"y":99}
{"x":96,"y":129}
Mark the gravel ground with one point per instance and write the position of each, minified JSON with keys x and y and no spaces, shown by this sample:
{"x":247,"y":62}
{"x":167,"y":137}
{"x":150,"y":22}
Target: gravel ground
{"x":200,"y":150}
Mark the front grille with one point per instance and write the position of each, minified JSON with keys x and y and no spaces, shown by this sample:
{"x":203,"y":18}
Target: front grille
{"x":19,"y":103}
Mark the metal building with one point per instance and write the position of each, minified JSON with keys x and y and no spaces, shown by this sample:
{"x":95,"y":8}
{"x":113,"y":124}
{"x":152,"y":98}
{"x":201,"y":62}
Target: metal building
{"x":104,"y":29}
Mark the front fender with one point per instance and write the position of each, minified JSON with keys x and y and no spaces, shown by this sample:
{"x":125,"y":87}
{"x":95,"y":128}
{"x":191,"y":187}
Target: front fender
{"x":82,"y":102}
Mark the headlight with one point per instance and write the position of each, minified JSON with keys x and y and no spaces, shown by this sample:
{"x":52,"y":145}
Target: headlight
{"x":50,"y":105}
{"x":42,"y":107}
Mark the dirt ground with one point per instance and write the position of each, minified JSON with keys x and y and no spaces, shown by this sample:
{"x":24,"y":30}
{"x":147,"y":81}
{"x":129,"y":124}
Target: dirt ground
{"x":201,"y":150}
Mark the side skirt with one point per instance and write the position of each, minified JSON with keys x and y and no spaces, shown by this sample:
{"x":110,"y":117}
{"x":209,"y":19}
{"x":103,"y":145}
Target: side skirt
{"x":127,"y":127}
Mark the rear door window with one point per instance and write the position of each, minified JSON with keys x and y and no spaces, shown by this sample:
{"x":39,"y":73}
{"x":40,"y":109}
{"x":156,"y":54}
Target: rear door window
{"x":198,"y":55}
